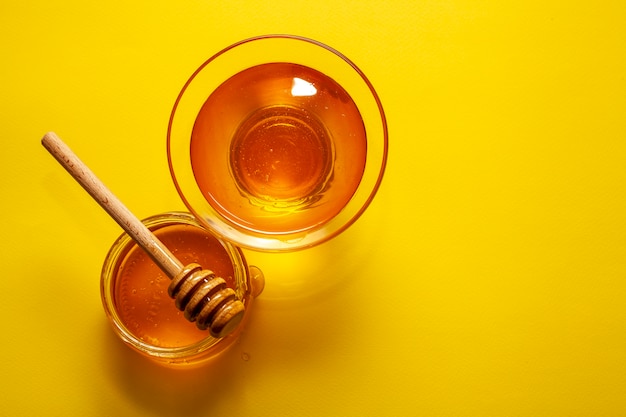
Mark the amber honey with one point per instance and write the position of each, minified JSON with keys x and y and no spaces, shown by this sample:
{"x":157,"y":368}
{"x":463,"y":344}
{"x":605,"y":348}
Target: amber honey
{"x":140,"y":293}
{"x":278,"y":148}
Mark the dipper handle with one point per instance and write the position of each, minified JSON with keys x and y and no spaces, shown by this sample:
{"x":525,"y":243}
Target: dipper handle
{"x":112,"y":205}
{"x":205,"y":298}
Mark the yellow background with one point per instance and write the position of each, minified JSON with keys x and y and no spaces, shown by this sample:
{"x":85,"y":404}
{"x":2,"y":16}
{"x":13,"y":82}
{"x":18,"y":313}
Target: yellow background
{"x":488,"y":278}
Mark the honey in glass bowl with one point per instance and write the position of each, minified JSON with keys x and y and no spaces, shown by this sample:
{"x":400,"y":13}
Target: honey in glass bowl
{"x":294,"y":140}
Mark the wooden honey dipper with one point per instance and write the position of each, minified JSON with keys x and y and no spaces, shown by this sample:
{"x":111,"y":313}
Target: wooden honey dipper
{"x":204,"y":298}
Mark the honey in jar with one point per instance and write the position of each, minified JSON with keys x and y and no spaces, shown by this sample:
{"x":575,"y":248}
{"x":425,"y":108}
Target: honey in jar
{"x":135,"y":290}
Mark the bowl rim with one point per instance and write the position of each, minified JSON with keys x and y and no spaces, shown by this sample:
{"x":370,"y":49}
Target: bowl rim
{"x":273,"y":241}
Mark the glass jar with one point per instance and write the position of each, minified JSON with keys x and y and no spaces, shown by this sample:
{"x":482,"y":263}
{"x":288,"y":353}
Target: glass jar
{"x":136,"y":302}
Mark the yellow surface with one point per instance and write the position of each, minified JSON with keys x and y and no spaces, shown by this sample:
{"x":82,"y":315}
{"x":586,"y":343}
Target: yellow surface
{"x":488,"y":277}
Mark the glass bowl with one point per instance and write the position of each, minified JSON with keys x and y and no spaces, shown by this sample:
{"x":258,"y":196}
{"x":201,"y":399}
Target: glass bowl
{"x":277,"y":143}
